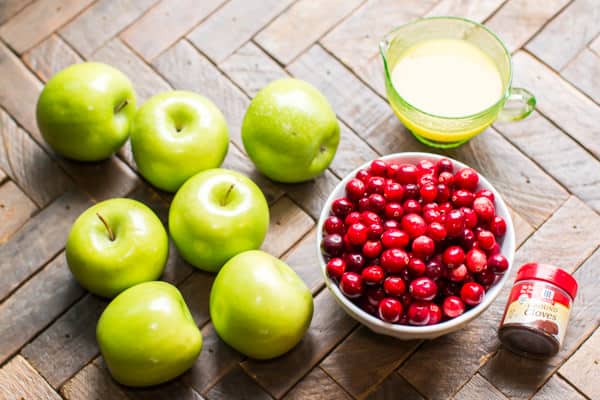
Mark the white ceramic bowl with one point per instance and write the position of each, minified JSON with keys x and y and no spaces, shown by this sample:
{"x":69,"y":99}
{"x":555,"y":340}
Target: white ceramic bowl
{"x":407,"y":332}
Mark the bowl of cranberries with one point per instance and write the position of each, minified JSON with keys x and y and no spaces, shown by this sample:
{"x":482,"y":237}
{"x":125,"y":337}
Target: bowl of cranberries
{"x":415,"y":245}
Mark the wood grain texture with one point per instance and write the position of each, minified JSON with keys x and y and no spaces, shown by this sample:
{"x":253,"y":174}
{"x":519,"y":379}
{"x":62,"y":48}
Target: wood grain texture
{"x":566,"y":35}
{"x":517,"y":21}
{"x":559,"y":101}
{"x":329,"y":325}
{"x":100,"y":22}
{"x":39,"y":240}
{"x":317,"y":385}
{"x":311,"y":195}
{"x":522,"y":228}
{"x":18,"y":380}
{"x":8,"y":8}
{"x":557,"y":389}
{"x":167,"y":391}
{"x":583,"y":368}
{"x":394,"y":387}
{"x":479,"y":388}
{"x":584,"y":73}
{"x":281,"y":37}
{"x":234,"y":23}
{"x":174,"y":17}
{"x":50,"y":56}
{"x":474,"y":10}
{"x":558,"y":154}
{"x":303,"y":260}
{"x":15,"y":209}
{"x":595,"y":45}
{"x":196,"y":292}
{"x":237,"y":385}
{"x":35,"y":304}
{"x":92,"y":383}
{"x":364,"y":351}
{"x":287,"y":221}
{"x":38,"y":20}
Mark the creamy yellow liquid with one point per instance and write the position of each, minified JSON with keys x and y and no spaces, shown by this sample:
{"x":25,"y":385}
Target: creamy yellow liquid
{"x":447,"y":77}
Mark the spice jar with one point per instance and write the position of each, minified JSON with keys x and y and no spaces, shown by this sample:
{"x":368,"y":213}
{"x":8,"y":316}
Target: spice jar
{"x":536,"y":315}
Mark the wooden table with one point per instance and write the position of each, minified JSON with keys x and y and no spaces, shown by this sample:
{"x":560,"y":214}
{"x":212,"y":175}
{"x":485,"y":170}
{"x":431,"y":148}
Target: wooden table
{"x":547,"y":167}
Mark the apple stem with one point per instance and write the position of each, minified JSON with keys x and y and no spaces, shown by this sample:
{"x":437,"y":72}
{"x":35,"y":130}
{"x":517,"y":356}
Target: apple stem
{"x":121,"y":106}
{"x":224,"y":201}
{"x":111,"y":234}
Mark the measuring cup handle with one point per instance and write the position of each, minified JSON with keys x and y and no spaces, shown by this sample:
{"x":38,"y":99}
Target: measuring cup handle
{"x":519,"y":105}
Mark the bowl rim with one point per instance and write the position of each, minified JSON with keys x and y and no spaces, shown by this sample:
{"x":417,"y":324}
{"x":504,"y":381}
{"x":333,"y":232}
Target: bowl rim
{"x":374,"y":323}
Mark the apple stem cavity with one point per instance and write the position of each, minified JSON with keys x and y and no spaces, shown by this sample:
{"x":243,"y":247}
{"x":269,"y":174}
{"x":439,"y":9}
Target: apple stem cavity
{"x":226,"y":197}
{"x":121,"y":106}
{"x":111,"y":234}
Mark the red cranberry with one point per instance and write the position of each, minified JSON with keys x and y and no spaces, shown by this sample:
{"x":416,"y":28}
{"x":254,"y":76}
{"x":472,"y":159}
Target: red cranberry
{"x":450,"y":289}
{"x":393,"y":192}
{"x":484,"y":208}
{"x":393,"y":211}
{"x":357,"y":234}
{"x":423,"y":246}
{"x":458,"y":274}
{"x":336,"y":268}
{"x":333,"y":245}
{"x":445,"y":207}
{"x":369,"y":217}
{"x":430,"y":207}
{"x":423,"y":288}
{"x":426,"y":179}
{"x":494,"y":250}
{"x":342,"y":207}
{"x":486,"y":239}
{"x":411,"y":191}
{"x":378,"y":167}
{"x":363,"y":204}
{"x":355,"y":189}
{"x":375,"y":184}
{"x":394,"y":238}
{"x":351,"y":285}
{"x":466,"y":178}
{"x":463,"y":198}
{"x":393,"y":260}
{"x":470,"y":217}
{"x":434,"y":269}
{"x":428,"y":192}
{"x":416,"y":266}
{"x":498,"y":226}
{"x":349,"y":247}
{"x":392,"y":170}
{"x":391,"y":224}
{"x":486,"y":277}
{"x":394,"y":286}
{"x":453,"y":256}
{"x":354,"y":261}
{"x":372,"y":248}
{"x":476,"y":260}
{"x":486,"y":193}
{"x":373,"y":275}
{"x":374,"y":231}
{"x":334,"y":224}
{"x":366,"y":306}
{"x":374,"y":294}
{"x":472,"y":293}
{"x":412,"y":206}
{"x":414,"y":225}
{"x":455,"y":223}
{"x":407,"y":173}
{"x":443,"y":192}
{"x":447,"y":178}
{"x":426,"y":167}
{"x":467,"y":239}
{"x":432,"y":215}
{"x":436,"y":231}
{"x":453,"y":306}
{"x":444,"y":165}
{"x":376,"y":202}
{"x":498,"y":263}
{"x":435,"y":314}
{"x":352,"y":218}
{"x":418,"y":313}
{"x":363,"y":175}
{"x":390,"y":310}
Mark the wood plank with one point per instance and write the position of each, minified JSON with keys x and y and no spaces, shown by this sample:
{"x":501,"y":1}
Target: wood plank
{"x":311,"y":195}
{"x":234,"y":24}
{"x":8,"y":8}
{"x":559,"y":101}
{"x":38,"y":20}
{"x":329,"y":325}
{"x":287,"y":220}
{"x":35,"y":304}
{"x":519,"y":377}
{"x":363,"y":351}
{"x":167,"y":391}
{"x":317,"y":386}
{"x":558,"y":154}
{"x":565,"y":36}
{"x":595,"y":45}
{"x":584,"y":72}
{"x":583,"y":368}
{"x":474,"y":10}
{"x":517,"y":21}
{"x":174,"y":17}
{"x":557,"y":389}
{"x":394,"y":387}
{"x":237,"y":385}
{"x":18,"y":381}
{"x":303,"y":260}
{"x":479,"y":388}
{"x":92,"y":383}
{"x":39,"y":240}
{"x":50,"y":56}
{"x":100,"y":22}
{"x":522,"y":228}
{"x":281,"y":39}
{"x":3,"y":176}
{"x":15,"y":209}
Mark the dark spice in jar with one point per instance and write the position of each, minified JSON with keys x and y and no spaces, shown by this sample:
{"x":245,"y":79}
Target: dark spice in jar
{"x":537,"y":313}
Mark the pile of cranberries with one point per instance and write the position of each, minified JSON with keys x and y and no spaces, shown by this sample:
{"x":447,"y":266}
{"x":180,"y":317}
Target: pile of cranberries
{"x":414,"y":244}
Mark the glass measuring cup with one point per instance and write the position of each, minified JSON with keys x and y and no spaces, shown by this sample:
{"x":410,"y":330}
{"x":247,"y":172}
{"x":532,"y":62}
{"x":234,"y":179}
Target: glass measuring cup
{"x":441,"y":131}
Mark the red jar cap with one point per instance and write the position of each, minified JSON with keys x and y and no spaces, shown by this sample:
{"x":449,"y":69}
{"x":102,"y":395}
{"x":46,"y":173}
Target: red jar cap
{"x":549,"y":273}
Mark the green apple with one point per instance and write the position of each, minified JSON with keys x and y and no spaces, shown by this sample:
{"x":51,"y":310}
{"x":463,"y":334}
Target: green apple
{"x":85,"y":111}
{"x":290,"y":131}
{"x":147,"y":335}
{"x":116,"y":244}
{"x":176,"y":135}
{"x":215,"y":215}
{"x":259,"y":306}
